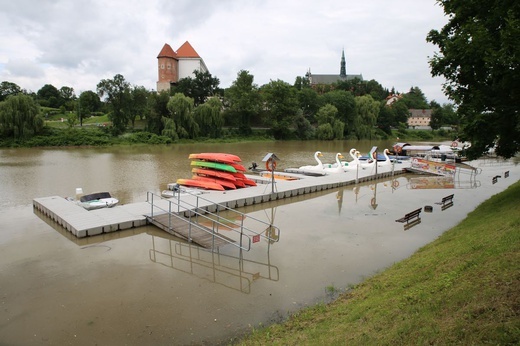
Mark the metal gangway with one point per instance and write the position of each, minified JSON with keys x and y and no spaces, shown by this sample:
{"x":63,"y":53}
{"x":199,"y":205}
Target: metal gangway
{"x":187,"y":216}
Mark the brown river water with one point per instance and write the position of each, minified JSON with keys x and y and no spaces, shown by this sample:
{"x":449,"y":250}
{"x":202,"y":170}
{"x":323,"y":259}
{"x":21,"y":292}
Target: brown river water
{"x":143,"y":286}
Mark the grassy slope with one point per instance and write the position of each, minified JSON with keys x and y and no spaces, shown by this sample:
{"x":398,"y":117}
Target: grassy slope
{"x":462,"y":288}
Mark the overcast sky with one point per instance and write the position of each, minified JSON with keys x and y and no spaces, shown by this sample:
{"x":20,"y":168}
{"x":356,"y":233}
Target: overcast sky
{"x":78,"y":43}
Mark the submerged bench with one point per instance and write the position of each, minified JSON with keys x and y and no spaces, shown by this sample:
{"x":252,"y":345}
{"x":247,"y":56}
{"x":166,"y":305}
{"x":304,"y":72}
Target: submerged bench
{"x":447,"y":199}
{"x":410,"y":216}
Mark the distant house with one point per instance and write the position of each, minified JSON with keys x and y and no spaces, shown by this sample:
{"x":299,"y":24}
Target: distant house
{"x":419,"y":118}
{"x":317,"y":79}
{"x":173,"y":66}
{"x":390,"y":99}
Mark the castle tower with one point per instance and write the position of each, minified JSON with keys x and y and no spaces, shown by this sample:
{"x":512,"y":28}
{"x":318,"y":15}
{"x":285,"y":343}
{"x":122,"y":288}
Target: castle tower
{"x":168,"y":68}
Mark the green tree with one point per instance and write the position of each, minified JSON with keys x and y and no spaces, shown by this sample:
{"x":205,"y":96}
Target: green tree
{"x":181,"y":111}
{"x":356,"y":86}
{"x":281,"y":107}
{"x":8,"y":88}
{"x":88,"y":103}
{"x":367,"y":110}
{"x":49,"y":96}
{"x":325,"y":132}
{"x":376,"y":90}
{"x":386,"y":118}
{"x":209,"y":118}
{"x":479,"y":55}
{"x":401,"y":112}
{"x":304,"y":128}
{"x":157,"y":112}
{"x":243,"y":102}
{"x":139,"y":101}
{"x":67,"y":93}
{"x":308,"y":102}
{"x":20,"y":117}
{"x":302,"y":83}
{"x":345,"y":104}
{"x":328,"y":114}
{"x":200,"y":88}
{"x":450,"y":116}
{"x":117,"y":93}
{"x":415,"y":99}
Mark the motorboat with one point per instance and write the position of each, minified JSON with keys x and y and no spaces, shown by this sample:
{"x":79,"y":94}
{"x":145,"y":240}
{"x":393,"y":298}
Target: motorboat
{"x":97,"y":201}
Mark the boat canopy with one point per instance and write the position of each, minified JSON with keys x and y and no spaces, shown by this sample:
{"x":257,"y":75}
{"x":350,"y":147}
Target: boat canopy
{"x":95,"y":196}
{"x":420,"y":148}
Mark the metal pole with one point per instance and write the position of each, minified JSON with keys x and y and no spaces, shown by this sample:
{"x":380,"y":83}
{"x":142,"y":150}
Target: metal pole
{"x":272,"y":175}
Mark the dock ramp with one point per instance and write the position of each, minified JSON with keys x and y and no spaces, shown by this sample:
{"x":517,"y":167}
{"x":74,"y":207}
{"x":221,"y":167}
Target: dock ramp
{"x":188,"y":217}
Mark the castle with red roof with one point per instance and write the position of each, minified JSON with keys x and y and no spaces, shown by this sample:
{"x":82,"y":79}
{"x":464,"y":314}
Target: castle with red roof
{"x":173,"y":66}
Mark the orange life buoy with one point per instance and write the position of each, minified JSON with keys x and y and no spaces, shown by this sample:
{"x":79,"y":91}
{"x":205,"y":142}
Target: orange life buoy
{"x":270,"y":165}
{"x":454,"y":144}
{"x":395,"y":183}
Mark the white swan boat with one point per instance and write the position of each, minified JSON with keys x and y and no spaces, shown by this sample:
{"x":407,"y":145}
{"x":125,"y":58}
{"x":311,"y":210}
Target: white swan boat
{"x":337,"y":167}
{"x":354,"y":163}
{"x":316,"y":169}
{"x":387,"y":161}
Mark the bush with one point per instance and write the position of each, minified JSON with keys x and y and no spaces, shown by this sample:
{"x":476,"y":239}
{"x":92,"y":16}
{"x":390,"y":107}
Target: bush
{"x":424,"y":135}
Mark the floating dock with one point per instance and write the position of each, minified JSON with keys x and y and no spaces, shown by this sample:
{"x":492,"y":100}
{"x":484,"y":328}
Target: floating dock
{"x":83,"y":223}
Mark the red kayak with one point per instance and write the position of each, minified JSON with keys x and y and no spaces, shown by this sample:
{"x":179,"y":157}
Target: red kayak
{"x":209,"y":185}
{"x":238,"y":167}
{"x":225,"y":183}
{"x":213,"y":173}
{"x":241,"y":177}
{"x":216,"y":157}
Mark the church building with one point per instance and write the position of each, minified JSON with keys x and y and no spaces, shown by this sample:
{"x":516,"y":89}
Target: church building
{"x":173,"y":66}
{"x":317,"y":79}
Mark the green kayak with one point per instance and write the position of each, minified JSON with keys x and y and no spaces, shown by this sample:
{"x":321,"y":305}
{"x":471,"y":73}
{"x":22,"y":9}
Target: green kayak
{"x":215,"y":165}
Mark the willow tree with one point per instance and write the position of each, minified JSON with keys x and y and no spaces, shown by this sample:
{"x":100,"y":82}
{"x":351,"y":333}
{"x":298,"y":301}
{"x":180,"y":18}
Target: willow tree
{"x":209,"y":118}
{"x":329,"y":125}
{"x":20,"y":117}
{"x":367,"y":110}
{"x":181,"y":111}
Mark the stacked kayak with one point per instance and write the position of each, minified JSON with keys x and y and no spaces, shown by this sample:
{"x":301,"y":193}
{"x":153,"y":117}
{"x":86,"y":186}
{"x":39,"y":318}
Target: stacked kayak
{"x":216,"y":171}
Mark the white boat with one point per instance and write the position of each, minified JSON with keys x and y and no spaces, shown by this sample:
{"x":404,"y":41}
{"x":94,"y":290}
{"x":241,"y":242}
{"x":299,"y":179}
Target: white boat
{"x":97,"y":201}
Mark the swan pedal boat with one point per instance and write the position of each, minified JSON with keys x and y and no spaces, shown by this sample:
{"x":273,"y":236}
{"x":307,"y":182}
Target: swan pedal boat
{"x":310,"y":169}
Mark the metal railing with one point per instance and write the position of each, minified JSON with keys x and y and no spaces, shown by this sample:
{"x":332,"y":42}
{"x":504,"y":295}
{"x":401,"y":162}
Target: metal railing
{"x":212,"y":223}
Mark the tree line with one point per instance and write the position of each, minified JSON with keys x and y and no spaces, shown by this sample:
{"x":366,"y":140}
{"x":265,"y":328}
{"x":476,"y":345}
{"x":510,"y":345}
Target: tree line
{"x":197,"y":107}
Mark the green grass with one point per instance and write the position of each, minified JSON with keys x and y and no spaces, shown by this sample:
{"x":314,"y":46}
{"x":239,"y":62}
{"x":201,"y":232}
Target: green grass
{"x":463,"y":288}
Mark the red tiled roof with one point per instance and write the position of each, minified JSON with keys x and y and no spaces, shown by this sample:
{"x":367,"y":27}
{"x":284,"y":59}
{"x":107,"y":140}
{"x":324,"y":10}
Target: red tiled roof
{"x":167,"y":52}
{"x":187,"y":51}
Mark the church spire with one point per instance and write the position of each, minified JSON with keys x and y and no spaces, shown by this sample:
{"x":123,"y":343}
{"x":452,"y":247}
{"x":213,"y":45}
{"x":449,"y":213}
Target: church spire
{"x":343,"y":69}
